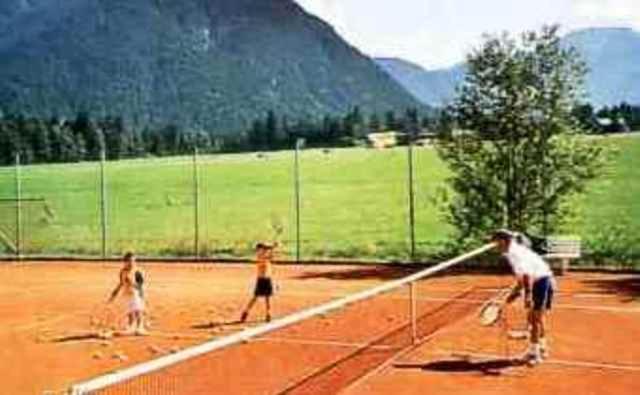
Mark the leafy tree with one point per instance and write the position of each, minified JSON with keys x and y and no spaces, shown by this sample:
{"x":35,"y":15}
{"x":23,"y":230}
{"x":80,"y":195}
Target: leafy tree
{"x":585,"y":114}
{"x":518,"y":154}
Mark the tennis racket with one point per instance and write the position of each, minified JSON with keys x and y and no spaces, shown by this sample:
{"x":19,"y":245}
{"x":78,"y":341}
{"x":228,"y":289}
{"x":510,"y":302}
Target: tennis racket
{"x":492,"y":311}
{"x":277,"y":228}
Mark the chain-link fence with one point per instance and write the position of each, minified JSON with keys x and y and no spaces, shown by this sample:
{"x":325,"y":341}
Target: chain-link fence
{"x":316,"y":203}
{"x":319,"y":204}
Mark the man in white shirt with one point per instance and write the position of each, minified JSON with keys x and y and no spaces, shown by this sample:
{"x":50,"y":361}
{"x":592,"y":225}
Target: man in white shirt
{"x":536,"y":278}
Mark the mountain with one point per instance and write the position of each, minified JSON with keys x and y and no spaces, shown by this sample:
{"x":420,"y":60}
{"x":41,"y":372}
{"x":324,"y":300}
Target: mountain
{"x":215,"y":64}
{"x":434,"y":88}
{"x":612,"y":55}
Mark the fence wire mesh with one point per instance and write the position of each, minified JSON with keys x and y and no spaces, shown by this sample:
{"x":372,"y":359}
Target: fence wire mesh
{"x":353,"y":203}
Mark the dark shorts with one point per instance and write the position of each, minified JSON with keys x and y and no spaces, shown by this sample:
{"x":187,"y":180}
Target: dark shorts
{"x":264,"y":287}
{"x":542,"y":293}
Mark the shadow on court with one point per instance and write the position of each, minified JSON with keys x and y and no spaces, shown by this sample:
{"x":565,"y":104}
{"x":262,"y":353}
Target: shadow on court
{"x":489,"y":367}
{"x":628,"y":287}
{"x":222,"y":324}
{"x":79,"y":337}
{"x":376,"y":272}
{"x":391,"y":272}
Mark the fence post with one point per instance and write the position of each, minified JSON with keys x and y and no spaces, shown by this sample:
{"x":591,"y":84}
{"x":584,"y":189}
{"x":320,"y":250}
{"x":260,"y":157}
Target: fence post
{"x":103,"y":201}
{"x":196,"y":204}
{"x":412,"y":215}
{"x":299,"y":143}
{"x":18,"y":185}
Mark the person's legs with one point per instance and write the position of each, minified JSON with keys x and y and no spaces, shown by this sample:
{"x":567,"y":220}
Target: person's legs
{"x":542,"y":336}
{"x":541,"y":298}
{"x":544,"y":347}
{"x":139,"y":323}
{"x":268,"y":306}
{"x":536,"y":326}
{"x":247,"y":309}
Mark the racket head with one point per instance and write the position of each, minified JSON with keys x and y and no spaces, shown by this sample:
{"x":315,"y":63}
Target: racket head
{"x":490,"y":314}
{"x":277,"y":226}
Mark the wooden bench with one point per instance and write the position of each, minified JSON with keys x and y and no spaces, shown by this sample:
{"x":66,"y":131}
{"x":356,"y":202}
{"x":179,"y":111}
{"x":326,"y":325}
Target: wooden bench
{"x":562,"y":249}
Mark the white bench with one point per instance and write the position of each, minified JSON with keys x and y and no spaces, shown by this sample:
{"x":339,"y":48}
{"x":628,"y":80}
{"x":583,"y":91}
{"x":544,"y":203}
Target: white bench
{"x":563,"y":249}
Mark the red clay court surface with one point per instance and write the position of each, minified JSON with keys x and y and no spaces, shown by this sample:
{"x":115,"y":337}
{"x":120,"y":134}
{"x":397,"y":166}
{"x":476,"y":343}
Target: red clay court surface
{"x":46,"y":342}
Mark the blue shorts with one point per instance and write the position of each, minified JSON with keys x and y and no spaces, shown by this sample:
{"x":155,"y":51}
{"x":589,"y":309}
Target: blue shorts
{"x":542,"y":293}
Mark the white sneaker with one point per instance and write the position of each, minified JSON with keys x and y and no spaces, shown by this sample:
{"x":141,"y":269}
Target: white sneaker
{"x":532,"y":358}
{"x":128,"y":331}
{"x":544,"y":353}
{"x":544,"y":349}
{"x":141,"y":332}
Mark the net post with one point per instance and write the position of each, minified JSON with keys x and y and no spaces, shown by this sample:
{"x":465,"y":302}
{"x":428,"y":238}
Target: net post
{"x":18,"y":186}
{"x":103,"y":202}
{"x":196,"y":204}
{"x":412,"y":312}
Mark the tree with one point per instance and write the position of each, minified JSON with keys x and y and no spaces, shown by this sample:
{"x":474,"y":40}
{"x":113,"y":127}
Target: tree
{"x":256,"y":135}
{"x":585,"y":114}
{"x":519,"y":154}
{"x":37,"y":136}
{"x":374,"y":124}
{"x":9,"y":140}
{"x":271,"y":130}
{"x":390,"y":121}
{"x":411,"y":123}
{"x":83,"y":127}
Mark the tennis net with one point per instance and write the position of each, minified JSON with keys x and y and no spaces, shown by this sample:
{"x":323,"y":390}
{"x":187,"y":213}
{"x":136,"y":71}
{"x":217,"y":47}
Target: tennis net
{"x":315,"y":351}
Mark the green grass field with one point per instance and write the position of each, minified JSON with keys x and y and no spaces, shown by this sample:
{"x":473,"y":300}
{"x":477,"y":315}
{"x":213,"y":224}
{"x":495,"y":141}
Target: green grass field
{"x":354,"y":205}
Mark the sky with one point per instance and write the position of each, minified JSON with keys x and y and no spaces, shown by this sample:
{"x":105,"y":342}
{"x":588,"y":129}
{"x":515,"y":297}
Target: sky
{"x":438,"y":33}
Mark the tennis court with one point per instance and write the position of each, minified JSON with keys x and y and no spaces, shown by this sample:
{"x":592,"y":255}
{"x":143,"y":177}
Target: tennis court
{"x":377,"y":342}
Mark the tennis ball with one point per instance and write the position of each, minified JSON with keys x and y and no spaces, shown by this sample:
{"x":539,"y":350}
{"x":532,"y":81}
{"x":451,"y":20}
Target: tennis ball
{"x":120,"y":356}
{"x":154,"y":349}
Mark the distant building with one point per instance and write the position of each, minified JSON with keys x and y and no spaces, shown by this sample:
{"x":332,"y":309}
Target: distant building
{"x":383,"y":140}
{"x":609,"y":125}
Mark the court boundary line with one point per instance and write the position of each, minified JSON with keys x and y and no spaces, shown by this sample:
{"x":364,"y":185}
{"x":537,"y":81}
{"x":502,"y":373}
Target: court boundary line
{"x":559,"y":306}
